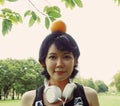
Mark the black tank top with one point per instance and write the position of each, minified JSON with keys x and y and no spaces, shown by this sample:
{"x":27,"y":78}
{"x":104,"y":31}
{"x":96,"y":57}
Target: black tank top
{"x":79,"y":98}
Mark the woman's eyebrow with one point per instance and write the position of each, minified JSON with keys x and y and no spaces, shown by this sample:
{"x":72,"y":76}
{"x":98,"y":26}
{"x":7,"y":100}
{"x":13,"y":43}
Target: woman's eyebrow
{"x":66,"y":52}
{"x":51,"y":53}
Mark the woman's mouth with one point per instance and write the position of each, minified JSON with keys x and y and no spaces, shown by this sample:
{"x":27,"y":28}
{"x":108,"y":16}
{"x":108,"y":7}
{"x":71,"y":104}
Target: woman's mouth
{"x":60,"y":72}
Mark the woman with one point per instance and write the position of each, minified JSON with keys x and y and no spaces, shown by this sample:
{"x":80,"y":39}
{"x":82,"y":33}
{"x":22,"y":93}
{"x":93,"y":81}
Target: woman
{"x":59,"y":55}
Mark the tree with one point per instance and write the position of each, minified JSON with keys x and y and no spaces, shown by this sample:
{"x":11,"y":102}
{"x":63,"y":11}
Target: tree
{"x":90,"y":83}
{"x":19,"y":76}
{"x":51,"y":13}
{"x":8,"y":70}
{"x":87,"y":82}
{"x":101,"y":86}
{"x":117,"y":80}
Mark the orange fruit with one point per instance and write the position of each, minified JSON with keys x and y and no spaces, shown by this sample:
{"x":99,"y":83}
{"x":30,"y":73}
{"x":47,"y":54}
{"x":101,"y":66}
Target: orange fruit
{"x":58,"y":26}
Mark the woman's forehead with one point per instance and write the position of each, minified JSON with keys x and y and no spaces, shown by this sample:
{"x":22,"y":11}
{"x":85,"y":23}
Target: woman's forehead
{"x":53,"y":49}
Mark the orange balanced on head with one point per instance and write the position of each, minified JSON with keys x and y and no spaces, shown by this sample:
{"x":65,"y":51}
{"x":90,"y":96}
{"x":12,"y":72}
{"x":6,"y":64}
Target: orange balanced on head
{"x":58,"y":26}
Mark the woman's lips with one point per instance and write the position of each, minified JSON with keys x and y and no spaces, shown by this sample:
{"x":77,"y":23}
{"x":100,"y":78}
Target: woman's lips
{"x":60,"y":72}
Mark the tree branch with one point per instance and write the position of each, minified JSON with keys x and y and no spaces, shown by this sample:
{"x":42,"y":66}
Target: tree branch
{"x":36,"y":8}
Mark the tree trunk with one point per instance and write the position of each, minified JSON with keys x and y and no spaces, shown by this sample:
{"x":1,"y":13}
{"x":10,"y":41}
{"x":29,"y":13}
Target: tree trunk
{"x":13,"y":94}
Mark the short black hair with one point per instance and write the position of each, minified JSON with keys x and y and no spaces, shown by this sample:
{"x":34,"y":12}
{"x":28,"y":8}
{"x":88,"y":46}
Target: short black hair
{"x":63,"y":42}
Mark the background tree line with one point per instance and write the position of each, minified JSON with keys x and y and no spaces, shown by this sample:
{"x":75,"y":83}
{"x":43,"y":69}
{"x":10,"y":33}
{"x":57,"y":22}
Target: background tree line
{"x":18,"y":76}
{"x":98,"y":85}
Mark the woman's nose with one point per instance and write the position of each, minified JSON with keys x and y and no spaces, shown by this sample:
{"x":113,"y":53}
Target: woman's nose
{"x":59,"y":62}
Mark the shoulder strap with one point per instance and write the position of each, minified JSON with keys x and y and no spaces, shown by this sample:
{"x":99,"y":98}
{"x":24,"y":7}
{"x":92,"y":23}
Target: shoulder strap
{"x":79,"y":92}
{"x":39,"y":94}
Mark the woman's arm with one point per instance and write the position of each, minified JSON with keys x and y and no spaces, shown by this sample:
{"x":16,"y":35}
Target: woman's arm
{"x":92,"y":97}
{"x":28,"y":98}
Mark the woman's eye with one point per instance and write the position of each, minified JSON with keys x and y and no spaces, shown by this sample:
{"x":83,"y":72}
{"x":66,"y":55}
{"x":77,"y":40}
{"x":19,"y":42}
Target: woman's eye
{"x":67,"y":57}
{"x":52,"y":57}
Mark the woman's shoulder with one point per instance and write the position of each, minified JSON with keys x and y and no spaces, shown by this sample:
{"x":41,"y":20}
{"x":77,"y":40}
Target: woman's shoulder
{"x":89,"y":90}
{"x":28,"y":98}
{"x":29,"y":94}
{"x":91,"y":96}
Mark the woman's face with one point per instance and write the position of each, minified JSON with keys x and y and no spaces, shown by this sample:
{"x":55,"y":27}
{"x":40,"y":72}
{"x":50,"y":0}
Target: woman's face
{"x":59,"y":64}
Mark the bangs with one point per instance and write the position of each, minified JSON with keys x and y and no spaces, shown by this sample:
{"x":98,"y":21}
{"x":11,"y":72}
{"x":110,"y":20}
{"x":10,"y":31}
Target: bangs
{"x":63,"y":43}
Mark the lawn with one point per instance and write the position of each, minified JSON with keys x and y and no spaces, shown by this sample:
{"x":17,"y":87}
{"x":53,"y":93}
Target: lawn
{"x":10,"y":103}
{"x":105,"y":100}
{"x":109,"y":100}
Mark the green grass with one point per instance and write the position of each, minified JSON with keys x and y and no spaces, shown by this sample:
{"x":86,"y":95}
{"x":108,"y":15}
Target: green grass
{"x":109,"y":100}
{"x":10,"y":103}
{"x":105,"y":100}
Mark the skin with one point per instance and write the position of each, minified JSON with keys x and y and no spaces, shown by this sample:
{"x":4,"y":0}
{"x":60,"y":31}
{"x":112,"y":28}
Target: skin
{"x":60,"y":65}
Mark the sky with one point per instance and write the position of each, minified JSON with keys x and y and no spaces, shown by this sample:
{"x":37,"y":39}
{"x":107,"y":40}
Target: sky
{"x":95,"y":27}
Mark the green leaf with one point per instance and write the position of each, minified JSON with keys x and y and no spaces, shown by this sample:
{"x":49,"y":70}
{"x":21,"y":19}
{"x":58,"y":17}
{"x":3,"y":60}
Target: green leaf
{"x":6,"y":11}
{"x":79,"y":3}
{"x":18,"y":17}
{"x":13,"y":19}
{"x":2,"y":16}
{"x":52,"y":19}
{"x":71,"y":4}
{"x":34,"y":15}
{"x":6,"y":26}
{"x":31,"y":22}
{"x":27,"y":13}
{"x":56,"y":8}
{"x":51,"y":9}
{"x":38,"y":20}
{"x":12,"y":0}
{"x":118,"y":2}
{"x":54,"y":14}
{"x":34,"y":18}
{"x":13,"y":16}
{"x":47,"y":22}
{"x":2,"y":2}
{"x":45,"y":8}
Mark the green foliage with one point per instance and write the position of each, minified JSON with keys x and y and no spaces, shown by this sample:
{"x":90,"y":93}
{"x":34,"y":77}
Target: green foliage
{"x":20,"y":75}
{"x":79,"y":3}
{"x":6,"y":26}
{"x":86,"y":82}
{"x":33,"y":17}
{"x":117,"y":80}
{"x":101,"y":86}
{"x":47,"y":22}
{"x":71,"y":3}
{"x":8,"y":14}
{"x":90,"y":83}
{"x":2,"y":2}
{"x":52,"y":13}
{"x":12,"y":0}
{"x":118,"y":1}
{"x":98,"y":85}
{"x":9,"y":18}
